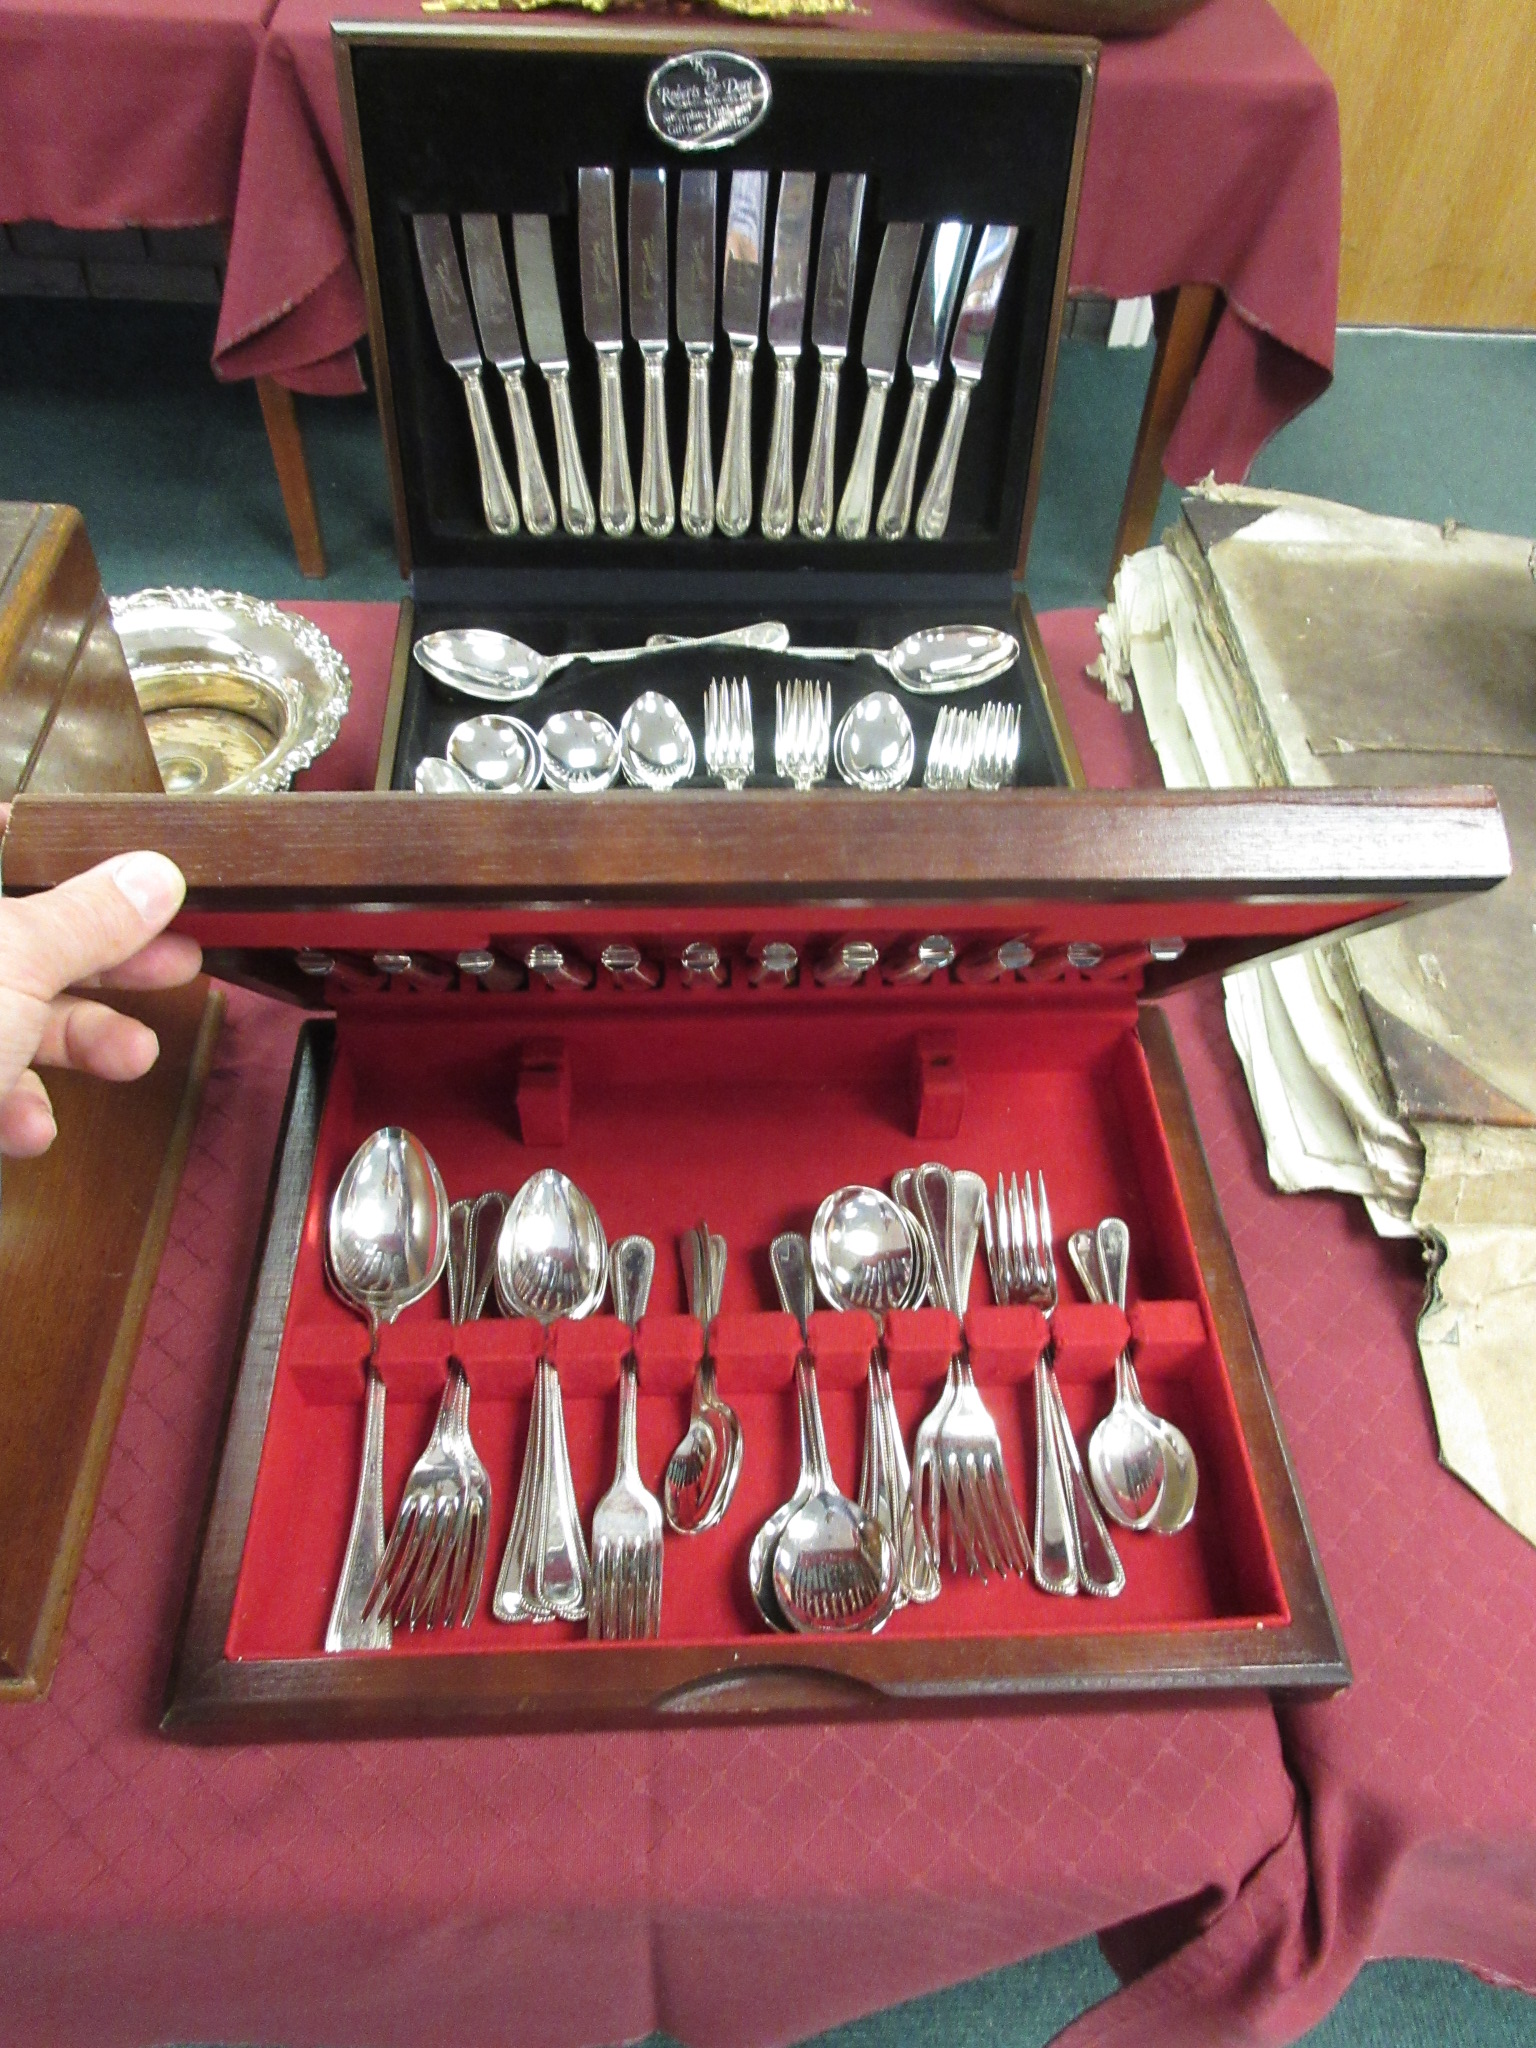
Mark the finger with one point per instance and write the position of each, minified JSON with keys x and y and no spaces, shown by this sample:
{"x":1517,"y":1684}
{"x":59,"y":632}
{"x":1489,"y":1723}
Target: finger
{"x":165,"y":962}
{"x":95,"y":1040}
{"x":26,"y":1119}
{"x":88,"y":924}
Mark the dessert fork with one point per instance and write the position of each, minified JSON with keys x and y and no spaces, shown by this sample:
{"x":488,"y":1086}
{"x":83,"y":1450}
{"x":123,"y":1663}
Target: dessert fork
{"x":626,"y":1527}
{"x":802,"y":736}
{"x":997,"y":746}
{"x":728,"y":747}
{"x":949,"y":751}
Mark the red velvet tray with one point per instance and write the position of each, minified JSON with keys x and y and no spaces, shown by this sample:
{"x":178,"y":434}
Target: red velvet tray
{"x":745,"y":1106}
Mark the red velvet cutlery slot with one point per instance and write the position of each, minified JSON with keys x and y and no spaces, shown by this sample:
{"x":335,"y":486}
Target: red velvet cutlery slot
{"x":745,"y":1108}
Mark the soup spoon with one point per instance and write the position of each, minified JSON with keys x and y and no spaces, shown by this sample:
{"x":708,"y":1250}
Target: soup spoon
{"x":386,"y":1246}
{"x":873,"y":746}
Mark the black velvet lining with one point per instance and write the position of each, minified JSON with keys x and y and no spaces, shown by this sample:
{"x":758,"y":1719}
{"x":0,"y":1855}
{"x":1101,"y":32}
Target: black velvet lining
{"x":500,"y":127}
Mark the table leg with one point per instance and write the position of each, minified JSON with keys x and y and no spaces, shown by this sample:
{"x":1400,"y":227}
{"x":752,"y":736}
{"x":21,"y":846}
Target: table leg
{"x":1185,"y":318}
{"x":287,"y":444}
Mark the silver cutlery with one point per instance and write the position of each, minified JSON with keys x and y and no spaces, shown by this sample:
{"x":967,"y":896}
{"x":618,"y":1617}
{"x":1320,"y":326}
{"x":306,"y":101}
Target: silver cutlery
{"x":581,"y":752}
{"x":455,"y":332}
{"x":650,"y":322}
{"x":1101,"y":1259}
{"x":741,"y":302}
{"x":883,"y":323}
{"x":834,"y":1568}
{"x":628,"y":967}
{"x":551,"y":1264}
{"x":919,"y":960}
{"x":950,"y":750}
{"x":557,"y":968}
{"x":386,"y":1246}
{"x":702,"y":1472}
{"x":846,"y":965}
{"x":434,"y":1564}
{"x":656,"y":748}
{"x":540,"y":294}
{"x":873,"y":746}
{"x":935,"y":661}
{"x":967,"y":1454}
{"x":926,"y":335}
{"x":786,"y":330}
{"x":495,"y":668}
{"x":774,"y":965}
{"x":797,"y":1297}
{"x":626,"y":1525}
{"x":497,"y":753}
{"x":602,"y":312}
{"x":503,"y":340}
{"x":700,"y":965}
{"x":696,"y":331}
{"x":802,"y":735}
{"x":968,"y":353}
{"x":995,"y":755}
{"x":831,"y":316}
{"x":729,"y":748}
{"x":437,"y":777}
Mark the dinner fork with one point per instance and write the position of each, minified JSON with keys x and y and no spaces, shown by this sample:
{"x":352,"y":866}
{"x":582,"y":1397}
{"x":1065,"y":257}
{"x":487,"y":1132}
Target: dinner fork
{"x":802,"y":735}
{"x":626,"y":1527}
{"x":997,"y":746}
{"x":434,"y":1565}
{"x":728,"y":748}
{"x":949,"y":751}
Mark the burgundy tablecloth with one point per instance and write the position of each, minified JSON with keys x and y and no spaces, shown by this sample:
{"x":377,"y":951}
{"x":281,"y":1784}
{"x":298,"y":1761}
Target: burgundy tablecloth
{"x":734,"y":1887}
{"x":124,"y":112}
{"x":1213,"y":158}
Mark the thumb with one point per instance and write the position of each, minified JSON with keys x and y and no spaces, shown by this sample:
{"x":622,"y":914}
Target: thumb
{"x":87,"y":925}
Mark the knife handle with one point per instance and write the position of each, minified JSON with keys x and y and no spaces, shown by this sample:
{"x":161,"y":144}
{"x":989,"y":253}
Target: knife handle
{"x":896,"y":505}
{"x":733,"y":514}
{"x":698,"y":462}
{"x":658,"y":510}
{"x":933,"y":512}
{"x":576,"y":514}
{"x":616,"y":491}
{"x":859,"y":491}
{"x":533,"y":485}
{"x":817,"y":496}
{"x":495,"y":492}
{"x":779,"y":481}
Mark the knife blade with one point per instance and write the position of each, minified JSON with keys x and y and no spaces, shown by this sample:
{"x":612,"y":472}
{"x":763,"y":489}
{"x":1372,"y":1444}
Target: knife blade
{"x":649,"y":323}
{"x":931,"y":312}
{"x":455,"y":332}
{"x":831,"y":317}
{"x":883,"y":323}
{"x":696,"y":331}
{"x":540,"y":293}
{"x":741,"y":304}
{"x":602,"y":310}
{"x":503,"y":341}
{"x":786,"y":327}
{"x":967,"y":354}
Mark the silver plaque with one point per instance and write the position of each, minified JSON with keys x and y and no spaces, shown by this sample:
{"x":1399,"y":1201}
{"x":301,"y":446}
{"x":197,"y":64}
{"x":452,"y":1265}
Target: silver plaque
{"x":707,"y":99}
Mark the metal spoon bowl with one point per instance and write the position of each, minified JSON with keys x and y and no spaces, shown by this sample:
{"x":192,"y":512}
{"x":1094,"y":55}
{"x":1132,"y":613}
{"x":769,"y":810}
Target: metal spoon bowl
{"x":437,"y":777}
{"x":656,"y":748}
{"x":874,"y":746}
{"x":581,"y":752}
{"x":862,"y":1250}
{"x":935,"y":661}
{"x":497,"y":753}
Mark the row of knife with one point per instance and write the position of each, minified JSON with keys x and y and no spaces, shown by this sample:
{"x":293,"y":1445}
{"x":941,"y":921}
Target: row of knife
{"x":706,"y":507}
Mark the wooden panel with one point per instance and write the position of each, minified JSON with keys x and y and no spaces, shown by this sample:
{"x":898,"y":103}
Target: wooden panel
{"x":1437,"y":110}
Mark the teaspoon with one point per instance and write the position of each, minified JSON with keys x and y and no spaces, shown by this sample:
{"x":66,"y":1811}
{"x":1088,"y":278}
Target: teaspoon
{"x":1105,"y":1258}
{"x":497,"y":753}
{"x":655,"y":746}
{"x":874,"y":747}
{"x":581,"y":752}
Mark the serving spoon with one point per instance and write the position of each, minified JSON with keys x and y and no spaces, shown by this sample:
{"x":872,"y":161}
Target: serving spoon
{"x":497,"y":668}
{"x":935,"y":661}
{"x":386,"y":1246}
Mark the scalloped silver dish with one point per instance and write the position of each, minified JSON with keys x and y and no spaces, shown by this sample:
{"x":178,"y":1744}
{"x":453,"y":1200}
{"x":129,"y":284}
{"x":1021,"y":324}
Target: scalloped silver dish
{"x":237,"y":695}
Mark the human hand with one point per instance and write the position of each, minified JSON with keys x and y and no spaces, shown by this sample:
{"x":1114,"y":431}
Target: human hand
{"x":103,"y":929}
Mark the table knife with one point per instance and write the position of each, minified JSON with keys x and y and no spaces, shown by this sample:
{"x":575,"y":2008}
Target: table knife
{"x":696,"y":331}
{"x":883,"y":323}
{"x":535,"y":259}
{"x":455,"y":332}
{"x":602,"y":309}
{"x":650,"y":324}
{"x":831,"y":318}
{"x":499,"y":331}
{"x":786,"y":328}
{"x":926,"y":336}
{"x":741,"y":305}
{"x":968,"y":351}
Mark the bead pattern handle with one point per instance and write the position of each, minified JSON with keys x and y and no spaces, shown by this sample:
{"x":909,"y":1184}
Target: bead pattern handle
{"x":658,"y":508}
{"x":533,"y":485}
{"x":495,"y":492}
{"x":859,"y":492}
{"x":698,"y":459}
{"x":576,"y":513}
{"x":616,"y":491}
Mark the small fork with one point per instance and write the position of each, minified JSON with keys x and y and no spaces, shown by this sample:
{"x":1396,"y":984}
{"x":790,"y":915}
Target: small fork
{"x":997,"y":746}
{"x":728,"y":747}
{"x":626,"y":1527}
{"x":802,"y":736}
{"x":949,"y":751}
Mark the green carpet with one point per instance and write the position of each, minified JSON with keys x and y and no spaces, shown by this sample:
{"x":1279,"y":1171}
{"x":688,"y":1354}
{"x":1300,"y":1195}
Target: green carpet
{"x":112,"y":407}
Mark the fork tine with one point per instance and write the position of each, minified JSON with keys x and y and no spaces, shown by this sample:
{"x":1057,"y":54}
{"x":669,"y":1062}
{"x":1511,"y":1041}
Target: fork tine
{"x":386,"y":1580}
{"x":1010,"y":1522}
{"x":1049,"y":1259}
{"x":978,"y":1509}
{"x":959,"y":1527}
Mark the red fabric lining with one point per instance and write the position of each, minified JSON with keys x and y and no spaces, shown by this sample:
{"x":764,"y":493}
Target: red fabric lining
{"x":807,"y":1095}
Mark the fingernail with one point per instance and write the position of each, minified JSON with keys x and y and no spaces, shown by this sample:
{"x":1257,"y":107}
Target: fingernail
{"x":152,"y":884}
